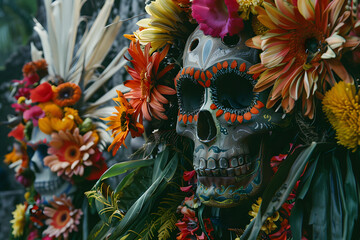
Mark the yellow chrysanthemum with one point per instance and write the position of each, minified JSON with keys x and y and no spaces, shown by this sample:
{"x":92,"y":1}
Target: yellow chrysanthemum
{"x":247,"y":6}
{"x":269,"y":224}
{"x":18,"y":221}
{"x":166,"y":23}
{"x":73,"y":114}
{"x":52,"y":124}
{"x":341,"y":106}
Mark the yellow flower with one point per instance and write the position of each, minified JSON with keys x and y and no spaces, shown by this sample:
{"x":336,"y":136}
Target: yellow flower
{"x":73,"y":114}
{"x":45,"y":125}
{"x":51,"y":109}
{"x":62,"y":124}
{"x":341,"y":107}
{"x":269,"y":224}
{"x":247,"y":6}
{"x":18,"y":222}
{"x":14,"y":156}
{"x":166,"y":23}
{"x":21,"y":100}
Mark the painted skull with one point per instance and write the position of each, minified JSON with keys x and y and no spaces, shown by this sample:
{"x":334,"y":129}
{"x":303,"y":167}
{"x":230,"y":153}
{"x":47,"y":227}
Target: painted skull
{"x":46,"y":183}
{"x":225,"y":118}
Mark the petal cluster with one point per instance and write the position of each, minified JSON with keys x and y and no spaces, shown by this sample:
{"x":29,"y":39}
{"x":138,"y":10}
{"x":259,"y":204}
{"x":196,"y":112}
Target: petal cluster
{"x":341,"y":105}
{"x":70,"y":152}
{"x":62,"y":217}
{"x":146,"y":95}
{"x":302,"y":47}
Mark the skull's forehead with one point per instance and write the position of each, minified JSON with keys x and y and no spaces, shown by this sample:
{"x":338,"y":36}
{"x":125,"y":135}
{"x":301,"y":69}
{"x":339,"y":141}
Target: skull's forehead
{"x":202,"y":51}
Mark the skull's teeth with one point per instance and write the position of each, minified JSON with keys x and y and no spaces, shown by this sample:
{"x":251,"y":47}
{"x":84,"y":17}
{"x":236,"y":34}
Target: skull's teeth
{"x":235,"y":169}
{"x":222,"y":163}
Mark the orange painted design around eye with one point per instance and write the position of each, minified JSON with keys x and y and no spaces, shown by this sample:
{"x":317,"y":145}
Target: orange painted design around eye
{"x":207,"y":83}
{"x":192,"y":71}
{"x":233,"y":64}
{"x":213,"y":106}
{"x":242,"y":67}
{"x":202,"y":76}
{"x":240,"y":118}
{"x":214,"y":69}
{"x":185,"y":117}
{"x":197,"y":74}
{"x":254,"y":110}
{"x":225,"y":64}
{"x":218,"y":65}
{"x":208,"y":74}
{"x":259,"y":105}
{"x":180,"y":117}
{"x":233,"y":117}
{"x":227,"y":116}
{"x":190,"y":118}
{"x":247,"y":116}
{"x":201,"y":83}
{"x":183,"y":71}
{"x":219,"y":112}
{"x":196,"y":118}
{"x":188,"y":70}
{"x":256,"y":76}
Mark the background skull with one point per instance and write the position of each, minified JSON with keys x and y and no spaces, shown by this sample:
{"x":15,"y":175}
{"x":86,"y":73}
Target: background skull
{"x":226,"y":119}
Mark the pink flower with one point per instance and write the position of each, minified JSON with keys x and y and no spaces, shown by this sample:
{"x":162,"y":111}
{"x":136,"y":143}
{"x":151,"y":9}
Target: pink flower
{"x":23,"y":92}
{"x":33,"y":235}
{"x":217,"y":17}
{"x":34,"y":113}
{"x":30,"y":80}
{"x":20,"y":107}
{"x":188,"y":175}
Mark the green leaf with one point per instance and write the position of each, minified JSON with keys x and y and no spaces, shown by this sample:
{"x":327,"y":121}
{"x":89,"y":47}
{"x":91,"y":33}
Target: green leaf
{"x":138,"y":207}
{"x":123,"y":167}
{"x":201,"y":220}
{"x":99,"y":231}
{"x":126,"y":181}
{"x":280,"y":187}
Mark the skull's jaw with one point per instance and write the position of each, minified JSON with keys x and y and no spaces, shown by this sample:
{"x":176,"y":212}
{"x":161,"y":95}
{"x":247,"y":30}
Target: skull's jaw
{"x":225,"y":192}
{"x":235,"y":184}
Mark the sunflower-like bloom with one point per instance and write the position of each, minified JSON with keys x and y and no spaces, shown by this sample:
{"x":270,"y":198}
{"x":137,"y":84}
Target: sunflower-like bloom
{"x":303,"y":43}
{"x":166,"y":23}
{"x":146,"y":96}
{"x":341,"y":105}
{"x":269,"y":224}
{"x":248,"y":6}
{"x":66,"y":94}
{"x":70,"y":152}
{"x":62,"y":217}
{"x":122,"y":123}
{"x":18,"y":221}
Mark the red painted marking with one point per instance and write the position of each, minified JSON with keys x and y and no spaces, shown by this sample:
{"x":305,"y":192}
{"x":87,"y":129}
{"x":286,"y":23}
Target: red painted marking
{"x":227,"y":116}
{"x":207,"y":83}
{"x":240,"y":118}
{"x":242,"y":67}
{"x":247,"y":116}
{"x":202,"y":76}
{"x":214,"y":69}
{"x":254,"y":110}
{"x":233,"y":117}
{"x":219,"y":112}
{"x":213,"y":106}
{"x":233,"y":64}
{"x":197,"y":74}
{"x":225,"y":64}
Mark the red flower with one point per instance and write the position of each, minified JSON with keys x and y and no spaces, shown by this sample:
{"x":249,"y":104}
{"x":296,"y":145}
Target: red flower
{"x":186,"y":189}
{"x":146,"y":95}
{"x":23,"y":92}
{"x":17,"y":132}
{"x":30,"y":80}
{"x":99,"y":166}
{"x":188,"y":175}
{"x":42,"y":93}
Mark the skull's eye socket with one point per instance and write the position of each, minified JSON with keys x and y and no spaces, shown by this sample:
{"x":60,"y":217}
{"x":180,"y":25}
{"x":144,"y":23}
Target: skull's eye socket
{"x":231,"y":41}
{"x":190,"y":95}
{"x":193,"y":44}
{"x":232,"y":91}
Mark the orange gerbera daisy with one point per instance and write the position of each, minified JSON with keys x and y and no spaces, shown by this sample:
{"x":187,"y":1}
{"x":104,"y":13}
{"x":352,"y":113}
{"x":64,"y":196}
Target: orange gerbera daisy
{"x":67,"y":94}
{"x":303,"y":44}
{"x":63,"y":218}
{"x":70,"y":152}
{"x":123,"y":122}
{"x":146,"y":96}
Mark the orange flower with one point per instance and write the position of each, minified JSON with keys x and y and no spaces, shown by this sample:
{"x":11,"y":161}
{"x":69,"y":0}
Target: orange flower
{"x":70,"y":152}
{"x":123,"y":122}
{"x":146,"y":96}
{"x":51,"y":109}
{"x":39,"y":67}
{"x":303,"y":43}
{"x":67,"y":94}
{"x":62,"y":216}
{"x":14,"y":156}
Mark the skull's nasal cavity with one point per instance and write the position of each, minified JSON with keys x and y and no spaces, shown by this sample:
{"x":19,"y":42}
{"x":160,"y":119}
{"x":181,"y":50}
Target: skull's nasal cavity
{"x":206,"y":128}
